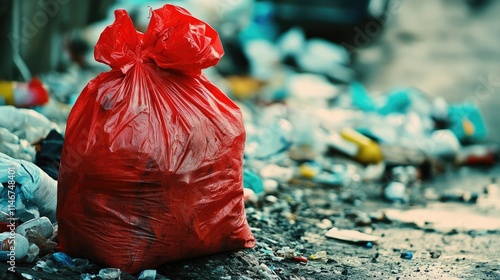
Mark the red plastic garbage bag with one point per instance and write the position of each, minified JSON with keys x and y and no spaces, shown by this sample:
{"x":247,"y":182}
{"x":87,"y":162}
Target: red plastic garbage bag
{"x":151,"y":168}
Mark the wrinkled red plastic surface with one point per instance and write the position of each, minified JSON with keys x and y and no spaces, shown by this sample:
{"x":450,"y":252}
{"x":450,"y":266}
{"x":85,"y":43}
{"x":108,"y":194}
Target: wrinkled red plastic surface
{"x":151,"y":168}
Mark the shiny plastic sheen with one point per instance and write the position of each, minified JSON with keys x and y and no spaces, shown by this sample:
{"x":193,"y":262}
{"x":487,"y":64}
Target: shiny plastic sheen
{"x":151,"y":168}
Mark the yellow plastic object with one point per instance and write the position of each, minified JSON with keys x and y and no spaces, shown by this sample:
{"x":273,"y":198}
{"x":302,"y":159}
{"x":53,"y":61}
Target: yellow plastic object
{"x":368,"y":151}
{"x":244,"y":87}
{"x":7,"y":92}
{"x":321,"y":255}
{"x":469,"y":128}
{"x":23,"y":94}
{"x":307,"y":171}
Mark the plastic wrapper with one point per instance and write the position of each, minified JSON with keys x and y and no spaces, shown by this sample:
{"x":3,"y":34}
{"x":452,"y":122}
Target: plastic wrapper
{"x":25,"y":123}
{"x":33,"y":188}
{"x":151,"y":167}
{"x":12,"y":146}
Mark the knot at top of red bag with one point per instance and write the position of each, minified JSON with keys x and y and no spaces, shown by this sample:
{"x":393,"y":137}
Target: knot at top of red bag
{"x":174,"y":40}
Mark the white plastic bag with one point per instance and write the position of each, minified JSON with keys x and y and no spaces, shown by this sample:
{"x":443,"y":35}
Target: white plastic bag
{"x":25,"y":123}
{"x":37,"y":187}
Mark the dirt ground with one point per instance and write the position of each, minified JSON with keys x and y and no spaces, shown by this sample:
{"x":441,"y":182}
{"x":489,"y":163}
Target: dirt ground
{"x":293,"y":217}
{"x":445,"y":49}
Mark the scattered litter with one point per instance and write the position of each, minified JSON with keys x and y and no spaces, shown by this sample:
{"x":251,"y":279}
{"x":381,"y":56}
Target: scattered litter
{"x":478,"y":155}
{"x":395,"y":191}
{"x":86,"y":276}
{"x":278,"y":173}
{"x":41,"y":225}
{"x":266,"y":273}
{"x":252,"y":181}
{"x":19,"y":94}
{"x":301,"y":259}
{"x":33,"y":252}
{"x":14,"y":147}
{"x":319,"y":256}
{"x":357,"y":146}
{"x":110,"y":273}
{"x":46,"y":266}
{"x":37,"y":189}
{"x":271,"y":186}
{"x":28,"y":276}
{"x":148,"y":274}
{"x":311,"y":144}
{"x":250,"y":195}
{"x":20,"y":249}
{"x":46,"y":246}
{"x":26,"y":123}
{"x":63,"y":259}
{"x":459,"y":195}
{"x":351,"y":235}
{"x":442,"y":217}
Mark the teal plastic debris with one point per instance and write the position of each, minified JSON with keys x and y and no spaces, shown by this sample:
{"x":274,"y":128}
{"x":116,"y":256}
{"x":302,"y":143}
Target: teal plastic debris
{"x":252,"y":181}
{"x":467,"y":123}
{"x":63,"y":259}
{"x":397,"y":101}
{"x":361,"y":98}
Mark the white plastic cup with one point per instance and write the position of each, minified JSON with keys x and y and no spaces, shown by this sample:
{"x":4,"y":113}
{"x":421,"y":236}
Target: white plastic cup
{"x":41,"y":225}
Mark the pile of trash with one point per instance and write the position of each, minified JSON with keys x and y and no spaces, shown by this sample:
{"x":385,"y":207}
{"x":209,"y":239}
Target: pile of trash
{"x":308,"y":124}
{"x":304,"y":125}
